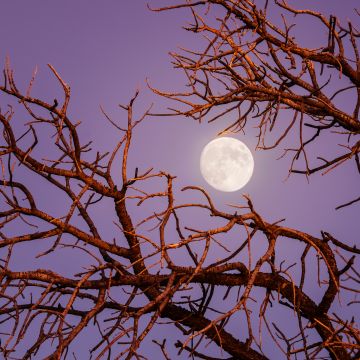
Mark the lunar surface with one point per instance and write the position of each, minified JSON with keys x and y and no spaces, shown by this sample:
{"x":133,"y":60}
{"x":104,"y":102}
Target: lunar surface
{"x":226,"y":164}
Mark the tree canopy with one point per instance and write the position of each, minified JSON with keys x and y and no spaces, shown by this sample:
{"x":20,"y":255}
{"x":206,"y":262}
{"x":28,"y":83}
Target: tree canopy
{"x":252,"y":66}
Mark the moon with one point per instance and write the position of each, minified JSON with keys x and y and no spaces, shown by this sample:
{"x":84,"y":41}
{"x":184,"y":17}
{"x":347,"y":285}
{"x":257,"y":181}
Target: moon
{"x":226,"y":164}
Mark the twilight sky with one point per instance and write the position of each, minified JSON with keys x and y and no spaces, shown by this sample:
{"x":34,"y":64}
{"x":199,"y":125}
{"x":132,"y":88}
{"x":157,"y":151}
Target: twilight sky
{"x":105,"y":51}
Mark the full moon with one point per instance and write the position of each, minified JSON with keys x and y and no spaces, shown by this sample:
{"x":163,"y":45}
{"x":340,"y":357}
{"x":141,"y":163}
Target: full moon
{"x":226,"y":164}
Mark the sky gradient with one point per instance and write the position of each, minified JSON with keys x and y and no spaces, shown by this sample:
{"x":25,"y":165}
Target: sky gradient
{"x":105,"y":51}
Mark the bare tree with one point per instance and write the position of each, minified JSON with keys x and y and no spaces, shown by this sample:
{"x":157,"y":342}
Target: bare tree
{"x":134,"y":282}
{"x":253,"y":67}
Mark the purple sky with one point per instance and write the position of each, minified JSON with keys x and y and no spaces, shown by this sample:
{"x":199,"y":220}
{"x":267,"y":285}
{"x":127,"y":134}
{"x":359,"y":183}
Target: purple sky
{"x":105,"y":51}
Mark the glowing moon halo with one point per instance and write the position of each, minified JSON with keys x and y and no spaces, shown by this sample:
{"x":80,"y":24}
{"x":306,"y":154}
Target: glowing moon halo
{"x":226,"y":164}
